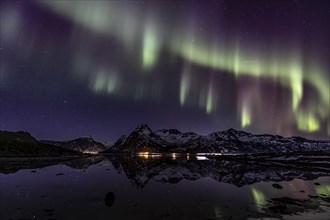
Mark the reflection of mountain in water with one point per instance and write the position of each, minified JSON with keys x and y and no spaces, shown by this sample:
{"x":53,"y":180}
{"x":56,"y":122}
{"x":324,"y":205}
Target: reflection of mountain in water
{"x":238,"y":172}
{"x":84,"y":163}
{"x":12,"y":165}
{"x":174,"y":168}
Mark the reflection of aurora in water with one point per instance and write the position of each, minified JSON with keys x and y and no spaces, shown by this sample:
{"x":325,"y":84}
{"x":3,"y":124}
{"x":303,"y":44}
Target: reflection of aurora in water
{"x":269,"y":76}
{"x":325,"y":190}
{"x":259,"y":198}
{"x":195,"y":199}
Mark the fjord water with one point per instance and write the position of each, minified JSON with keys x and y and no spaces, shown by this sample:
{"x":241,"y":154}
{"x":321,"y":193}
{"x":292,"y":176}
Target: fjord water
{"x":116,"y":187}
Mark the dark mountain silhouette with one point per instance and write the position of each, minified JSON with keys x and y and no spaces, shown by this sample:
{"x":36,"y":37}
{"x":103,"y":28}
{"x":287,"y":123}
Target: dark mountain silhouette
{"x":22,"y":144}
{"x":85,"y":145}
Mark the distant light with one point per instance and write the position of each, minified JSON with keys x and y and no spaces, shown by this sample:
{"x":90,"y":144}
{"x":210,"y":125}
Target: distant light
{"x":214,"y":154}
{"x":174,"y":156}
{"x":144,"y":155}
{"x":90,"y":152}
{"x":201,"y":158}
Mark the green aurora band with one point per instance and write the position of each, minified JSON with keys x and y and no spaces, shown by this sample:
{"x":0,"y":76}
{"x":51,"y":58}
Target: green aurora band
{"x":286,"y":66}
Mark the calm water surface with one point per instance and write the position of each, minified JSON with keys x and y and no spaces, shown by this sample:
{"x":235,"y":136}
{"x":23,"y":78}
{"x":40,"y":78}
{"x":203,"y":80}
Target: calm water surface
{"x":149,"y":188}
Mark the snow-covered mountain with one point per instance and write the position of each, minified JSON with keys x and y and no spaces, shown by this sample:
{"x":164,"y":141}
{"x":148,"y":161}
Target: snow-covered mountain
{"x":85,"y":144}
{"x":143,"y":139}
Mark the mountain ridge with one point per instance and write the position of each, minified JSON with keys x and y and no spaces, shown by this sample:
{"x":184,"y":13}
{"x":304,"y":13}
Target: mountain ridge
{"x":143,"y":139}
{"x":86,"y":144}
{"x":23,"y":144}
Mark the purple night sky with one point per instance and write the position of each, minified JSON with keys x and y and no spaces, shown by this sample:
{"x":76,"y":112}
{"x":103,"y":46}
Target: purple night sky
{"x":75,"y":68}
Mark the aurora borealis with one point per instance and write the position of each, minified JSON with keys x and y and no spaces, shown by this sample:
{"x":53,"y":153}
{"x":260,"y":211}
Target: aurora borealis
{"x":71,"y":68}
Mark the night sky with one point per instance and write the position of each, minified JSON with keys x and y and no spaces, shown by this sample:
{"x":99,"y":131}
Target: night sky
{"x":75,"y":68}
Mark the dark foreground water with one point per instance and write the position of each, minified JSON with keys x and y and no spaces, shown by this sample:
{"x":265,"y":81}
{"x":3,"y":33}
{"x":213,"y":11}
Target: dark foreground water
{"x":116,"y":187}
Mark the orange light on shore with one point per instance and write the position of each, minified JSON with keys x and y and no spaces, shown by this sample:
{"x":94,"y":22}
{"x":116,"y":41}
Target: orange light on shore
{"x":145,"y":155}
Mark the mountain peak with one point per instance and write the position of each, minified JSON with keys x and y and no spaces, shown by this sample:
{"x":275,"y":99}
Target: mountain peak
{"x":231,"y":130}
{"x":88,"y":138}
{"x":143,"y":127}
{"x":234,"y":131}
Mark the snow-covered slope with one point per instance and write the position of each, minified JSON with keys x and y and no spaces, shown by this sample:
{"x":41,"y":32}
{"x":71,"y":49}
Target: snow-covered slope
{"x":143,"y":139}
